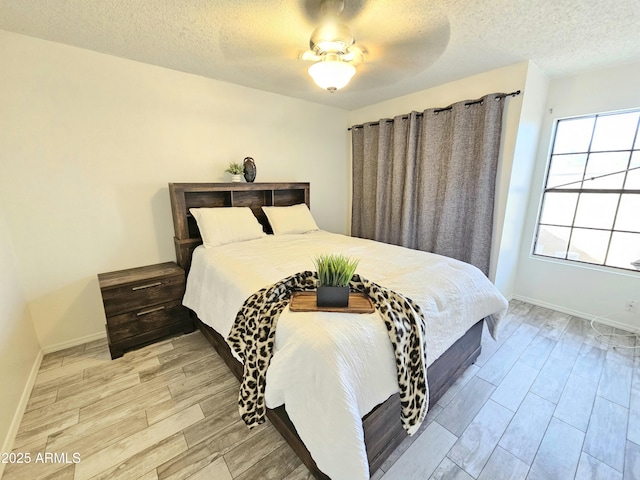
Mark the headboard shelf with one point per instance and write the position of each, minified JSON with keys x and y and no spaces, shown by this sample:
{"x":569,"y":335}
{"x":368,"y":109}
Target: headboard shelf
{"x":211,"y":195}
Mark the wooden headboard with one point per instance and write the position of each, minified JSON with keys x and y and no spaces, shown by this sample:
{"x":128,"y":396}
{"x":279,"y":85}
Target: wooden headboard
{"x":253,"y":195}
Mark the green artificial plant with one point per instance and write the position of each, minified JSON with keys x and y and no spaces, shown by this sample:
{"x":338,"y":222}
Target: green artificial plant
{"x":335,"y":270}
{"x":235,"y":168}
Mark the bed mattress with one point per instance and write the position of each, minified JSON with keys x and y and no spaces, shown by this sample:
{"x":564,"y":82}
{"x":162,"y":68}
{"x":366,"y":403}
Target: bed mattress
{"x":331,"y":369}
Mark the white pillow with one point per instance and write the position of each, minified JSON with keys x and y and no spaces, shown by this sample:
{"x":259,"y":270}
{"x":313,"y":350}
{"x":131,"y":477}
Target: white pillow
{"x":293,"y":219}
{"x":222,"y":225}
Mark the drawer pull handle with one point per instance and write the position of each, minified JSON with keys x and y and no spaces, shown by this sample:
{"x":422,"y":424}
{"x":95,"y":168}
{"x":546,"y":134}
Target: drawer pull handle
{"x":151,"y":310}
{"x":142,"y":287}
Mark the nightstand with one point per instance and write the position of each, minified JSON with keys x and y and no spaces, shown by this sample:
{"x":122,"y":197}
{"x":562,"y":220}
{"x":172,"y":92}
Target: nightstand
{"x":143,"y":305}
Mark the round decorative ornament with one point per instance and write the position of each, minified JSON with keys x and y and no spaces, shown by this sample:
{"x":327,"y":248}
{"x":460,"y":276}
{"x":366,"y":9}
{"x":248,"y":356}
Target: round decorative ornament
{"x":250,"y":169}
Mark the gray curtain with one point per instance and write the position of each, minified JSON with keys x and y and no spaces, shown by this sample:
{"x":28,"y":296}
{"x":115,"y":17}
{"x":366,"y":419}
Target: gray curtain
{"x":427,"y":181}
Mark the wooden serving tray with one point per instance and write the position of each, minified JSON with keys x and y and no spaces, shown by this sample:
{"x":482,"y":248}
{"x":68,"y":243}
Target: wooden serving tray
{"x":306,"y":302}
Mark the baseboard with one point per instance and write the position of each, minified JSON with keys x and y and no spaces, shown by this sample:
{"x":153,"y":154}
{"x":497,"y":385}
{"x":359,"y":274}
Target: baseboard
{"x":7,"y":445}
{"x":587,"y":316}
{"x":72,"y":343}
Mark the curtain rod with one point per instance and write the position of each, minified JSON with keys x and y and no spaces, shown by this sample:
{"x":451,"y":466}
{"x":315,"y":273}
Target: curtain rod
{"x":499,"y":96}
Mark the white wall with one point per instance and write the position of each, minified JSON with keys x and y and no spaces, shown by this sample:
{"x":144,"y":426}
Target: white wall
{"x":19,"y":348}
{"x":89,"y":143}
{"x":517,"y":151}
{"x":580,"y":290}
{"x":511,"y":202}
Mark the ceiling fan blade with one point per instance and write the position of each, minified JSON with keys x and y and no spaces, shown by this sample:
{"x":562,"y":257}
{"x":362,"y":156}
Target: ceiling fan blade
{"x":416,"y":54}
{"x":356,"y":54}
{"x":313,"y":12}
{"x":394,"y":62}
{"x":310,"y":56}
{"x":389,"y":41}
{"x":263,"y":29}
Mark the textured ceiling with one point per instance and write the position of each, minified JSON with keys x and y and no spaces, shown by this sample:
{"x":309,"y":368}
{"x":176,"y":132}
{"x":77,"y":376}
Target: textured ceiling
{"x":411,"y":44}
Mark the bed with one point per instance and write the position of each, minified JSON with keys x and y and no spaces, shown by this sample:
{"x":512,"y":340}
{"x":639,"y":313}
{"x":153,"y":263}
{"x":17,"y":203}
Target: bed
{"x":240,"y":269}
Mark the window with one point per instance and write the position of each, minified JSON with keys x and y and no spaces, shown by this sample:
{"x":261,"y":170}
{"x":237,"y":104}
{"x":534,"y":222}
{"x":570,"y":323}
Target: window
{"x":591,"y":203}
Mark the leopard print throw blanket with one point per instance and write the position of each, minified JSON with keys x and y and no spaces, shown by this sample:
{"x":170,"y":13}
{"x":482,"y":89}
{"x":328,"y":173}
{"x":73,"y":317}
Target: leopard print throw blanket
{"x":253,"y":335}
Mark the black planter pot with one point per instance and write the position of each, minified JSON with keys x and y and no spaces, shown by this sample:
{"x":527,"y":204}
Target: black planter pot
{"x":333,"y":297}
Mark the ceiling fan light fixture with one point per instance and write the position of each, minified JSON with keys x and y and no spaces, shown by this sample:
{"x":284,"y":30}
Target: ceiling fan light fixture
{"x":332,"y":75}
{"x":331,"y":37}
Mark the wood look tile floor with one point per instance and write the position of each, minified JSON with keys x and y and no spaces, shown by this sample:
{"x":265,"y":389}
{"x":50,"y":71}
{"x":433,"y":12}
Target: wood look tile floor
{"x":547,"y":401}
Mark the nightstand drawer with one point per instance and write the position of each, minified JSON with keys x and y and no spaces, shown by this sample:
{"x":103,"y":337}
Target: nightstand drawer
{"x":118,"y":347}
{"x":146,"y":319}
{"x":142,"y":294}
{"x":143,"y":304}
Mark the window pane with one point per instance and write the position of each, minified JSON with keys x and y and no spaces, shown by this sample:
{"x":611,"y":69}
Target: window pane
{"x":588,"y":245}
{"x":633,"y":176}
{"x":603,"y":164}
{"x":559,"y":208}
{"x":566,"y":170}
{"x":596,"y":210}
{"x":624,"y":249}
{"x":573,"y":135}
{"x":615,"y":132}
{"x":629,"y":213}
{"x":552,"y":241}
{"x":592,"y":155}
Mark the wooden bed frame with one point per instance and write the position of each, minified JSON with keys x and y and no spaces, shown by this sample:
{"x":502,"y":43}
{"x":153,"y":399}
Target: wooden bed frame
{"x":383,"y":431}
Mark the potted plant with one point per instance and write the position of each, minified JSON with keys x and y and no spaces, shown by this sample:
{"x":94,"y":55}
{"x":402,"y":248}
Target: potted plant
{"x":236,"y":170}
{"x":334,"y":274}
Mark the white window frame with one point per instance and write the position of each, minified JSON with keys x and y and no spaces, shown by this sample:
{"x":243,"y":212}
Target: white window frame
{"x":635,"y":147}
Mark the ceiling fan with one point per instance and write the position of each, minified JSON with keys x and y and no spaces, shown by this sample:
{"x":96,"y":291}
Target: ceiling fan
{"x":386,"y":41}
{"x":333,"y":48}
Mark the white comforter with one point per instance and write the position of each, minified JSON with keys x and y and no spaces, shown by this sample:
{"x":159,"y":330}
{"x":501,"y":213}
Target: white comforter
{"x":332,"y":369}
